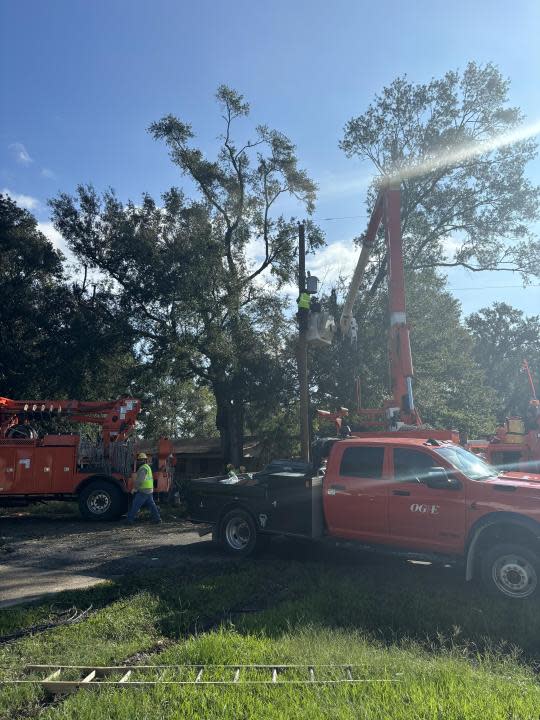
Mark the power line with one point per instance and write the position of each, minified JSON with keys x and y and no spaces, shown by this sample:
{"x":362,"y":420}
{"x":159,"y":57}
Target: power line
{"x":343,"y":217}
{"x":493,"y":287}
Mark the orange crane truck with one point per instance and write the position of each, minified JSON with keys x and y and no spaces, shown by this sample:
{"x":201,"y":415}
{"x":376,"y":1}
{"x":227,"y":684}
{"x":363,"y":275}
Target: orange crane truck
{"x":516,"y":444}
{"x":98,"y":473}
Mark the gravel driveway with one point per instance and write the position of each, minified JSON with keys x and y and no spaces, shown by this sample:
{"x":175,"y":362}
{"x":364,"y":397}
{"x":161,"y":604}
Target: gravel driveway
{"x":52,"y":551}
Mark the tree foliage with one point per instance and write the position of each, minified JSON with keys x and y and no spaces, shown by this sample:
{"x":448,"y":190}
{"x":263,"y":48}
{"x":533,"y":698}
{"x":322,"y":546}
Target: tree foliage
{"x":465,"y":198}
{"x":198,"y":277}
{"x":175,"y":409}
{"x":503,"y":338}
{"x":57,"y":341}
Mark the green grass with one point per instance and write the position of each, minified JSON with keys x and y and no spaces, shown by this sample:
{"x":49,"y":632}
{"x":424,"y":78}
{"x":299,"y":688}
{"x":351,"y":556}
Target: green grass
{"x":449,"y":651}
{"x":445,"y":686}
{"x":132,"y":616}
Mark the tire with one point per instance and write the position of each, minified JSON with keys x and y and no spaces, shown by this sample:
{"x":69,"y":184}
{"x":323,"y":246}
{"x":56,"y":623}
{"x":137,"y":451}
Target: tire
{"x":237,"y":533}
{"x":512,"y":571}
{"x":102,"y":500}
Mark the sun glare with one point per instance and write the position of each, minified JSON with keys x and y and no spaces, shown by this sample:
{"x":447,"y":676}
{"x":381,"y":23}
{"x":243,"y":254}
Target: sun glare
{"x":466,"y":152}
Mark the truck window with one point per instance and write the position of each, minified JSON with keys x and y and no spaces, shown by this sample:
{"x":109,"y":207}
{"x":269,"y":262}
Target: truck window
{"x":470,"y":465}
{"x":364,"y":462}
{"x":412,"y":465}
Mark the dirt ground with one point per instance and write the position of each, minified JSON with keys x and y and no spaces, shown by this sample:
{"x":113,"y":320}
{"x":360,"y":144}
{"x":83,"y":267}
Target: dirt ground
{"x":51,"y":550}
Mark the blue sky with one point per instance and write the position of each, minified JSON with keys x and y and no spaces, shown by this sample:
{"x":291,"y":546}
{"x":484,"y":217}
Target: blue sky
{"x":81,"y":82}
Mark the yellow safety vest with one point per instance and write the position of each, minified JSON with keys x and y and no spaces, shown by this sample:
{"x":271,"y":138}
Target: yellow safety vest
{"x":304,"y":300}
{"x":148,"y":482}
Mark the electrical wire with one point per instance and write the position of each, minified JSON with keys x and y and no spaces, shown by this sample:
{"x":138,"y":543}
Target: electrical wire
{"x":493,"y":287}
{"x":343,"y":217}
{"x":477,"y":287}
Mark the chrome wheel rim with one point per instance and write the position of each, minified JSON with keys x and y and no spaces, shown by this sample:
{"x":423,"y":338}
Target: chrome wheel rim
{"x":98,"y":502}
{"x":514,"y":576}
{"x":237,"y":533}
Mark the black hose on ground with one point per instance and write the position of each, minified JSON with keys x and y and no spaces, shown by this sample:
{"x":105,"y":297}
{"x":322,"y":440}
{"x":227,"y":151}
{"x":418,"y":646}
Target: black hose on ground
{"x":72,"y":615}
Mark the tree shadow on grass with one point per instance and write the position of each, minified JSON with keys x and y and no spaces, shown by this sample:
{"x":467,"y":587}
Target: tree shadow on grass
{"x":395,"y":601}
{"x":295,"y":586}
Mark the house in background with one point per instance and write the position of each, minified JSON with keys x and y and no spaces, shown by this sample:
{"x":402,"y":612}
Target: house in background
{"x":202,"y":457}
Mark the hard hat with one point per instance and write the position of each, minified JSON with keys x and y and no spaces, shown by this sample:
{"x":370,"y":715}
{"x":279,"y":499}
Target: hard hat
{"x":142,"y":456}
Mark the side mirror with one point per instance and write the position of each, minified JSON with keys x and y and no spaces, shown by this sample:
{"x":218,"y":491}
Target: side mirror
{"x":438,"y":478}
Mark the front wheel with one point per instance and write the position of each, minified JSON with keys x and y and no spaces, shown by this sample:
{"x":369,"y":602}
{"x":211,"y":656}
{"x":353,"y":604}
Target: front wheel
{"x":238,"y":533}
{"x":102,"y":500}
{"x":511,"y":570}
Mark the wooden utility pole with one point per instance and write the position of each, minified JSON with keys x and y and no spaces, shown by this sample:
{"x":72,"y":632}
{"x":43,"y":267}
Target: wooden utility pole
{"x":302,"y":348}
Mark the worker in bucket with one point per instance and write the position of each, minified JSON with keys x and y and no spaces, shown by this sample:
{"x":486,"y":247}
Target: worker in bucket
{"x":143,"y":491}
{"x":303,"y":302}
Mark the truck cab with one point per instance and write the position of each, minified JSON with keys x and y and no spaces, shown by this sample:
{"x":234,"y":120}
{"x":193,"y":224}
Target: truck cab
{"x":436,"y":498}
{"x":400,"y":493}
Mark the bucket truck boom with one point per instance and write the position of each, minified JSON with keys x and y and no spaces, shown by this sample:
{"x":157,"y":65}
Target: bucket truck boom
{"x":400,"y":410}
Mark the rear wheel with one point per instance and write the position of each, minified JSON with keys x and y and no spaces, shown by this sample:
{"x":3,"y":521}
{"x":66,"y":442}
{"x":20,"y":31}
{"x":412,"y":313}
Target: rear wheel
{"x":238,"y":533}
{"x":511,"y":570}
{"x":102,"y":500}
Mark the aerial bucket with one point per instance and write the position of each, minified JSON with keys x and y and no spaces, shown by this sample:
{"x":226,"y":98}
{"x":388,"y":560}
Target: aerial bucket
{"x":321,"y":329}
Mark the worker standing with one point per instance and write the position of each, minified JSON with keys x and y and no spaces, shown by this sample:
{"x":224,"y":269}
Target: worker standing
{"x":143,"y":491}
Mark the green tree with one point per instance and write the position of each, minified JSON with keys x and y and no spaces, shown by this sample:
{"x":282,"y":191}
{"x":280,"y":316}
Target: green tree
{"x":31,"y":275}
{"x":58,"y":340}
{"x":503,"y":338}
{"x":184,"y":271}
{"x":439,"y":139}
{"x":450,"y":390}
{"x":176,"y":409}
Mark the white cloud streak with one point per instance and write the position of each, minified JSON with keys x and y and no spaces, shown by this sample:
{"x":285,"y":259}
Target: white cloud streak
{"x":20,"y":153}
{"x":59,"y":243}
{"x":24,"y":201}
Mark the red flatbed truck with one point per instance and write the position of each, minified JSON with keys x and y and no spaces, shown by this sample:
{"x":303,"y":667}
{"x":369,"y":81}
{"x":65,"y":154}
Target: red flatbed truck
{"x":97,"y":474}
{"x":407,"y":493}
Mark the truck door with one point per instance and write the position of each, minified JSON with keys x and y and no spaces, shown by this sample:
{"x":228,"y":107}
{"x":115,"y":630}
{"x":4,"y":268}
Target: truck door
{"x":420,"y":517}
{"x":355,"y":498}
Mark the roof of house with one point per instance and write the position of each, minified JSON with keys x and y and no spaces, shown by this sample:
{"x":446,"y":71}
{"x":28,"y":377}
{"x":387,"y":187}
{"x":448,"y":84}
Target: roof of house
{"x":202,"y":446}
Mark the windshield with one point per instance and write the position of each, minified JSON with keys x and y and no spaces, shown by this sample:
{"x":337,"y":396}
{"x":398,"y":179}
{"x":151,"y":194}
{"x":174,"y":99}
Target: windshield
{"x":467,"y":462}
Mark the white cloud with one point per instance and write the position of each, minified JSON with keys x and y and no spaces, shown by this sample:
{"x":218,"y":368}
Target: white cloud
{"x":50,"y":232}
{"x":450,"y":245}
{"x":20,"y":153}
{"x":46,"y":173}
{"x":24,"y":201}
{"x":336,"y":260}
{"x":332,"y":262}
